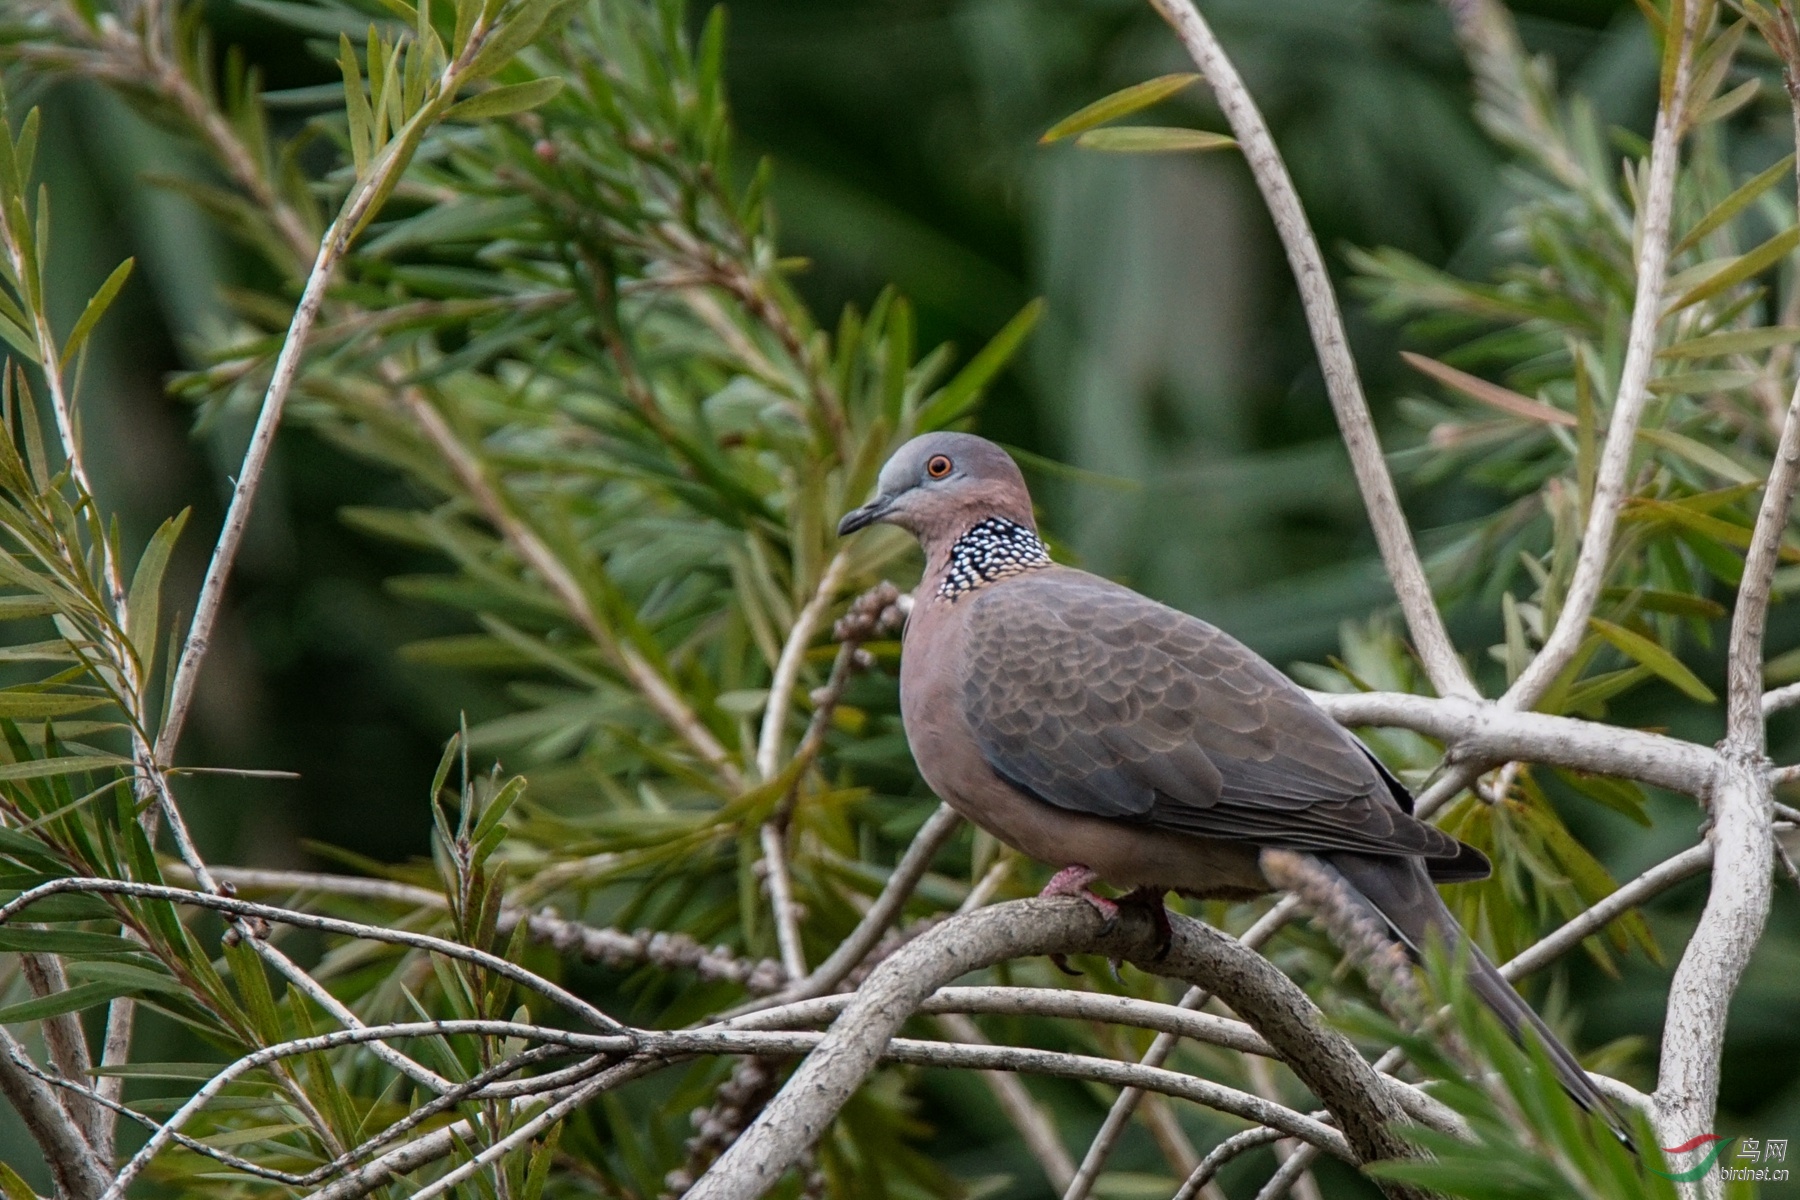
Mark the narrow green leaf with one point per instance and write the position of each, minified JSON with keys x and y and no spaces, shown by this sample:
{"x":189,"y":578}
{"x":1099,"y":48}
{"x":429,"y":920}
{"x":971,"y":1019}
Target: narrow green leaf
{"x":504,"y":101}
{"x":1715,"y":277}
{"x":96,"y":308}
{"x":40,"y":768}
{"x":1641,"y":649}
{"x":33,"y":706}
{"x":17,"y":608}
{"x":12,"y":1187}
{"x":1700,"y":454}
{"x":1735,"y":341}
{"x":84,"y":995}
{"x":144,"y":603}
{"x":63,"y":941}
{"x":499,"y":806}
{"x":1152,"y":139}
{"x":1121,"y":103}
{"x":959,"y":395}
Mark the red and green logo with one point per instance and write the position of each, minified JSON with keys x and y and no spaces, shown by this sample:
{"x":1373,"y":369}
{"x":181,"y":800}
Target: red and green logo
{"x":1698,"y":1170}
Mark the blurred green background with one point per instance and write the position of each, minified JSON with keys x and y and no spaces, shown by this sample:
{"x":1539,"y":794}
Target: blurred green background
{"x":1180,"y":429}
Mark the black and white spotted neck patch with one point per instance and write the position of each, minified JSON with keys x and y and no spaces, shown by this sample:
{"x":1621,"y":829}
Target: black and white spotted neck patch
{"x":992,"y":550}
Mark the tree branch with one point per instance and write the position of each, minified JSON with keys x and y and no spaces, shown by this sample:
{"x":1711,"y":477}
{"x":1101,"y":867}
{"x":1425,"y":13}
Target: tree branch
{"x":1392,"y":534}
{"x":1250,"y":984}
{"x":1113,"y":1128}
{"x":1484,"y":732}
{"x":1610,"y":481}
{"x":78,"y":1171}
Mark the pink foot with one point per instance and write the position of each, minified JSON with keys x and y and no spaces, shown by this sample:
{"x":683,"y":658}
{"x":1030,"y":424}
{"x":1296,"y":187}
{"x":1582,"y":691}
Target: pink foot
{"x":1073,"y":881}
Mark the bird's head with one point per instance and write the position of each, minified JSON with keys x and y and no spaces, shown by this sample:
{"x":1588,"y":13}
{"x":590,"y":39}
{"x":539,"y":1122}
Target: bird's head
{"x":939,"y":485}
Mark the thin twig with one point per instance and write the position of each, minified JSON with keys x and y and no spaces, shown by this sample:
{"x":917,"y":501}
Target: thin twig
{"x":1611,"y":480}
{"x":1113,"y":1128}
{"x":1035,"y":1126}
{"x":284,"y":916}
{"x":1392,"y":534}
{"x":781,"y":897}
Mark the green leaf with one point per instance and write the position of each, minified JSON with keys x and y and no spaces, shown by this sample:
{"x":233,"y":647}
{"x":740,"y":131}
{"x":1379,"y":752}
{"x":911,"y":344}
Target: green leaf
{"x":12,"y":1187}
{"x":958,"y":396}
{"x":1734,"y":341}
{"x":1734,"y":204}
{"x":63,"y":941}
{"x":504,"y":101}
{"x":1711,"y":278}
{"x":144,"y":602}
{"x":1641,"y":649}
{"x":1152,"y":139}
{"x":40,"y":768}
{"x":96,"y":308}
{"x":84,"y":995}
{"x":499,"y":806}
{"x":17,"y":608}
{"x":31,"y":705}
{"x":1700,"y":454}
{"x":1121,"y":103}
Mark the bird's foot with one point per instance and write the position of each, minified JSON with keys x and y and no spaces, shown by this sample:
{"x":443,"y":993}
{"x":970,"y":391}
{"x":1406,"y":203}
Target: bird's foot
{"x":1073,"y":881}
{"x":1151,"y":898}
{"x":1061,"y":963}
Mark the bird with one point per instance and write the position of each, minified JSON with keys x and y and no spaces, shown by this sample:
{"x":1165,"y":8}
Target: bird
{"x":1120,"y":740}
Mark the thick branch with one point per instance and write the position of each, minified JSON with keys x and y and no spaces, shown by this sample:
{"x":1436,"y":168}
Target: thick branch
{"x":78,"y":1171}
{"x":1398,"y":553}
{"x":1483,"y":732}
{"x":1687,"y":1080}
{"x":1113,"y":1128}
{"x":1253,"y":987}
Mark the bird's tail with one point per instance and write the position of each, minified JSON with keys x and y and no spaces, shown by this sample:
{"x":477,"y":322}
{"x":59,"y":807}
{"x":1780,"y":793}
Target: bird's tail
{"x":1402,"y":893}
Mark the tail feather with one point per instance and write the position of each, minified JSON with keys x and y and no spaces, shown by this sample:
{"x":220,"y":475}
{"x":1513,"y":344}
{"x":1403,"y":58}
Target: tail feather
{"x":1402,"y":893}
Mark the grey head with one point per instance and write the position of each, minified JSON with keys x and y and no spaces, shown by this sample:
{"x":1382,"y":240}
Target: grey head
{"x":940,"y":485}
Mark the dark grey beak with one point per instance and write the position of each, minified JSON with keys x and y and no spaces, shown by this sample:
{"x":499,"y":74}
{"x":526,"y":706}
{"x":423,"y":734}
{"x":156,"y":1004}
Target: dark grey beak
{"x":867,"y":515}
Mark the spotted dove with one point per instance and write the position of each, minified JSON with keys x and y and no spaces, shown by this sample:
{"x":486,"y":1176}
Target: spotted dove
{"x":1118,"y":739}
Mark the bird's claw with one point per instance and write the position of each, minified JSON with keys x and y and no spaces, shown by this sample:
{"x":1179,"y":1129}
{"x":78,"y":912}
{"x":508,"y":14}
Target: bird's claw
{"x":1073,"y":881}
{"x":1061,"y":962}
{"x":1152,"y":899}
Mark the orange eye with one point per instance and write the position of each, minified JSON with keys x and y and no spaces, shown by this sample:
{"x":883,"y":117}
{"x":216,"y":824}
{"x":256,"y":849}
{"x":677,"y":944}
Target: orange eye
{"x":938,"y":466}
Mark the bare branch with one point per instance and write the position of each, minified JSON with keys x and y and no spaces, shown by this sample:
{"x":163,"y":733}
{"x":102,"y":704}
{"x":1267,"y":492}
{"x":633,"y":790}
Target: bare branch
{"x":933,"y":834}
{"x":1571,"y":933}
{"x":284,"y":916}
{"x":1745,"y":706}
{"x":1223,"y":1153}
{"x":1610,"y":481}
{"x":781,"y":896}
{"x":67,"y":1044}
{"x":1249,"y":983}
{"x":1780,"y":699}
{"x":1036,"y":1128}
{"x":1392,"y":534}
{"x":793,"y":656}
{"x":78,"y":1171}
{"x":1113,"y":1128}
{"x":1486,"y":733}
{"x":1693,"y":1035}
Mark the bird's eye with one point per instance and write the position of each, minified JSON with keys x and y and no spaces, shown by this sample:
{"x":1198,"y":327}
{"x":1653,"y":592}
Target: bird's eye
{"x":938,"y":466}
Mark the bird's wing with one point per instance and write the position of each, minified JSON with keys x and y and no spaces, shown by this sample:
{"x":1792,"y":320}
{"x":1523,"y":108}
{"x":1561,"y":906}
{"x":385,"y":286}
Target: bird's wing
{"x":1101,"y":701}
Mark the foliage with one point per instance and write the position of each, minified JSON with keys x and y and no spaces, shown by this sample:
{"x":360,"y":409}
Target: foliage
{"x":560,"y":314}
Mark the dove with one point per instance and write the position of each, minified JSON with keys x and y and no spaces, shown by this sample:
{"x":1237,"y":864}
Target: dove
{"x":1123,"y":741}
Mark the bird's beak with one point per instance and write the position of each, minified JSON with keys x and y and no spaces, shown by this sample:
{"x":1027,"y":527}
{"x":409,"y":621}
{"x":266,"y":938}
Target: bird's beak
{"x":867,"y":515}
